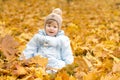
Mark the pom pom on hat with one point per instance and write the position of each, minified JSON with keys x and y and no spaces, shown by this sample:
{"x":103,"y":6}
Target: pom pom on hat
{"x":55,"y":15}
{"x":57,"y":11}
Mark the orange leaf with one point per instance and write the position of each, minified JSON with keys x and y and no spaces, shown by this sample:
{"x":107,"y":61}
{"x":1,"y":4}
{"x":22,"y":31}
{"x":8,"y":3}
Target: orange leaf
{"x":19,"y":70}
{"x":8,"y":47}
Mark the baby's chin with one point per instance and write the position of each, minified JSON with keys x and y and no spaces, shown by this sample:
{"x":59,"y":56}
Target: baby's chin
{"x":51,"y":34}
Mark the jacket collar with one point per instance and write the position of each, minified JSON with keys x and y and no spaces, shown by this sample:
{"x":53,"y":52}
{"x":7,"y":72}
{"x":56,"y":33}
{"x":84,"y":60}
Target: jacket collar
{"x":42,"y":32}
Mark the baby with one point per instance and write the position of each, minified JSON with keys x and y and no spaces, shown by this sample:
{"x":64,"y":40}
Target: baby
{"x":51,"y":43}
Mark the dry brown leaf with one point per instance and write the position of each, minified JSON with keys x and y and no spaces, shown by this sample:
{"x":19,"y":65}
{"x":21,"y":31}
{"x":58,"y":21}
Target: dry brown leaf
{"x":79,"y":75}
{"x":3,"y":71}
{"x":116,"y":67}
{"x":19,"y":70}
{"x":72,"y":78}
{"x":116,"y":52}
{"x":82,"y":65}
{"x":8,"y":47}
{"x":28,"y":77}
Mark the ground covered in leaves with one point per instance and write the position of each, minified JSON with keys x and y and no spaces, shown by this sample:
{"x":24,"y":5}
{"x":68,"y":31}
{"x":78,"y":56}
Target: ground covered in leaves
{"x":93,"y":27}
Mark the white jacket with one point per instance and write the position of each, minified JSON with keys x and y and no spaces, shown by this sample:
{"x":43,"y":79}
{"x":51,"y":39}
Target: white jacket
{"x":56,"y":49}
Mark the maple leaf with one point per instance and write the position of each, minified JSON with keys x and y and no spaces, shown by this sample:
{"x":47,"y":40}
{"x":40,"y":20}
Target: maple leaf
{"x":8,"y":47}
{"x":72,"y":78}
{"x":79,"y":75}
{"x":90,"y":76}
{"x":116,"y":52}
{"x":110,"y":77}
{"x":116,"y":67}
{"x":63,"y":75}
{"x":4,"y":71}
{"x":19,"y":70}
{"x":58,"y":78}
{"x":82,"y":65}
{"x":38,"y":61}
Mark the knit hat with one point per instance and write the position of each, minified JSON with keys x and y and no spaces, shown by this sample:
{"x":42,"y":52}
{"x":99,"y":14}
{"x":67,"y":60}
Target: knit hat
{"x":55,"y":15}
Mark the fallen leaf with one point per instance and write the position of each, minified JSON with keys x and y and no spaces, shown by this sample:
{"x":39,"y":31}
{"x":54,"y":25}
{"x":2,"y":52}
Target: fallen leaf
{"x":8,"y":47}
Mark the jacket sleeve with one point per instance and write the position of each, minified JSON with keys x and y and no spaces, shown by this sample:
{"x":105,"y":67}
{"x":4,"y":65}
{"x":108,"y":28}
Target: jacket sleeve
{"x":66,"y":53}
{"x":31,"y":48}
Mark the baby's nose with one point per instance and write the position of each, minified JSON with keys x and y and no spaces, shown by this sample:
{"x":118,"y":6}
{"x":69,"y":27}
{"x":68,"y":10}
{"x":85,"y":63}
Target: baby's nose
{"x":51,"y":27}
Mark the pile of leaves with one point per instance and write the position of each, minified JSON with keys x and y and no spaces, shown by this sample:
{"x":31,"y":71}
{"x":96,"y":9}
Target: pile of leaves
{"x":12,"y":68}
{"x":93,"y":28}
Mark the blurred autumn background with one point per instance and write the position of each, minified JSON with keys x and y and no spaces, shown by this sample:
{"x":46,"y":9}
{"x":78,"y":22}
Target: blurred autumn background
{"x":92,"y":25}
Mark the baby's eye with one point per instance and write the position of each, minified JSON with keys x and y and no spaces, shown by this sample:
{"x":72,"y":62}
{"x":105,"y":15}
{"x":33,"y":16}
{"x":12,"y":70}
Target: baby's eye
{"x":48,"y":25}
{"x":55,"y":26}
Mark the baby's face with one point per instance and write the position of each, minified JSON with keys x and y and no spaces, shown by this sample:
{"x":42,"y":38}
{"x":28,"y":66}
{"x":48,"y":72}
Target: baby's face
{"x":51,"y":28}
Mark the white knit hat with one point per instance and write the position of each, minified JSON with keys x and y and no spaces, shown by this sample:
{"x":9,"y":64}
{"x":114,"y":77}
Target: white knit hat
{"x":55,"y":15}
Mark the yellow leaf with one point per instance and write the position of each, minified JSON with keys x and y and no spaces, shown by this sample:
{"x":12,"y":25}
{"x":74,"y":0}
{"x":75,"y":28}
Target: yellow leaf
{"x":90,"y":76}
{"x":58,"y":78}
{"x":63,"y":74}
{"x":39,"y":61}
{"x":116,"y":67}
{"x":72,"y":78}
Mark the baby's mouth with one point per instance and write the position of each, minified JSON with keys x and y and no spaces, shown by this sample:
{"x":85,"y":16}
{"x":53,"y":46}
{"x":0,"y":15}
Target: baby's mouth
{"x":51,"y":32}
